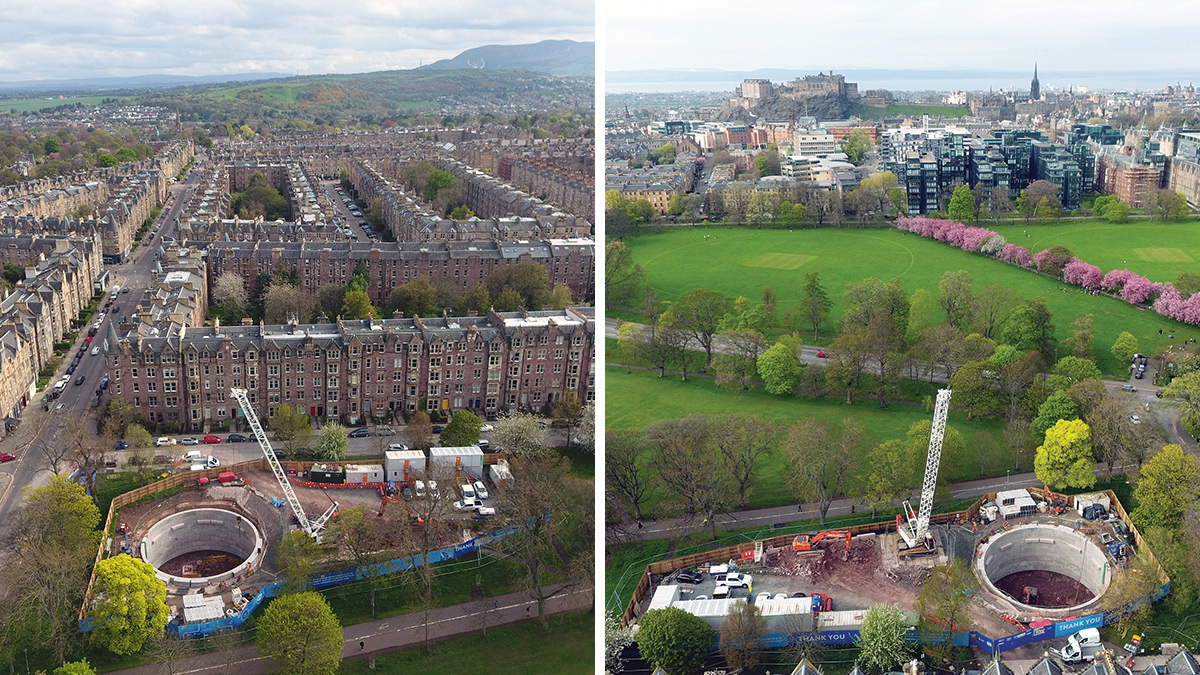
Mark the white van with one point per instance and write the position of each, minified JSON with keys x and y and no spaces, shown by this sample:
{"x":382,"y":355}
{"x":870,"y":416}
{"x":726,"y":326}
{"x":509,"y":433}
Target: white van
{"x":194,"y":457}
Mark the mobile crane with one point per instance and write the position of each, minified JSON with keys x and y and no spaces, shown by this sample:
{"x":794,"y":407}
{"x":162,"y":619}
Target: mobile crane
{"x":314,"y":528}
{"x":916,"y":534}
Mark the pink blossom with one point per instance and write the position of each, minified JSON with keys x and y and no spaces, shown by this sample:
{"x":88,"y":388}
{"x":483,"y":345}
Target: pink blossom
{"x":1080,"y":273}
{"x":1017,"y":255}
{"x":1169,"y":302}
{"x":1139,"y":289}
{"x":1116,"y":279}
{"x":973,"y":237}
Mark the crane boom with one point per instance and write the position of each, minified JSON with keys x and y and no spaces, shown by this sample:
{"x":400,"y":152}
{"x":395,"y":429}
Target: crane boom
{"x":313,"y":528}
{"x":919,"y":527}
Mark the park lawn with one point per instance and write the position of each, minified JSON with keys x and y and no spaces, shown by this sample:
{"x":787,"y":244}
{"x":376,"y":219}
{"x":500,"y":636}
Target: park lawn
{"x":35,"y":104}
{"x":681,"y":259}
{"x":1157,"y":251}
{"x":567,"y":646}
{"x":635,"y":399}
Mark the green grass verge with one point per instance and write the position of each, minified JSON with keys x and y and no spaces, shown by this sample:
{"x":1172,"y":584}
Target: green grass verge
{"x":567,"y":647}
{"x":639,"y":398}
{"x":32,"y":104}
{"x":681,"y":259}
{"x":869,"y":112}
{"x":583,"y":462}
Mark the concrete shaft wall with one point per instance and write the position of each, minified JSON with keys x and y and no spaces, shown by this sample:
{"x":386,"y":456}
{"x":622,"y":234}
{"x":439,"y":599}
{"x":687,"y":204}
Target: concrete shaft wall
{"x":202,"y":530}
{"x":1054,"y":548}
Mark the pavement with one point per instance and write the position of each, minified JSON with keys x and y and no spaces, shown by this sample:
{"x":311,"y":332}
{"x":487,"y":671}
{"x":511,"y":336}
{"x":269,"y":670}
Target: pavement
{"x":394,"y":633}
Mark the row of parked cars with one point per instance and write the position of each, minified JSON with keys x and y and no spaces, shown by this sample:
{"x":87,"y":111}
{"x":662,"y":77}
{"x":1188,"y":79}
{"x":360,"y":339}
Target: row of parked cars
{"x":210,"y":439}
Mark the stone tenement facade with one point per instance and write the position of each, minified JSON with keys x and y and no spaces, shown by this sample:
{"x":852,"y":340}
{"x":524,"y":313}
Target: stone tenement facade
{"x":357,"y":370}
{"x":466,"y":264}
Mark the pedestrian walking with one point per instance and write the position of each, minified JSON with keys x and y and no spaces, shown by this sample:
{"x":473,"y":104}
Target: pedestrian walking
{"x":362,"y":645}
{"x":639,"y":524}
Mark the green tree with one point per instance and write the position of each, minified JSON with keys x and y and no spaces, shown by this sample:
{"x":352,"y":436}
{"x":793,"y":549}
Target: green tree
{"x":461,"y":212}
{"x":418,"y":297}
{"x":1082,"y":336}
{"x":130,"y":604}
{"x":1187,"y":283}
{"x":1117,"y":212}
{"x":779,"y":368}
{"x":962,"y":204}
{"x":974,"y":390}
{"x":462,"y":431}
{"x":527,"y":279}
{"x":956,"y":298}
{"x":1076,"y":369}
{"x":1064,"y":459}
{"x":561,"y":297}
{"x":698,"y":313}
{"x":357,"y":305}
{"x":623,"y":278}
{"x":1185,"y":389}
{"x":946,"y":596}
{"x":820,"y":460}
{"x":1125,"y":347}
{"x":302,"y":634}
{"x":75,"y":668}
{"x":52,"y":146}
{"x":816,"y":303}
{"x":13,"y":273}
{"x":856,"y":146}
{"x":334,"y":442}
{"x":741,"y":636}
{"x":882,"y":644}
{"x":1167,"y":489}
{"x":1049,"y":208}
{"x":1031,"y":327}
{"x":675,"y":640}
{"x":292,"y":428}
{"x":1059,"y":406}
{"x":137,"y":436}
{"x":297,"y":556}
{"x":438,"y":181}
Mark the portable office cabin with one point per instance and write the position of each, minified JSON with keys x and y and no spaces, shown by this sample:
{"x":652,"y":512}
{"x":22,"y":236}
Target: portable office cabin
{"x":463,"y":460}
{"x":714,"y":612}
{"x":363,"y":473}
{"x":327,"y":473}
{"x":501,"y":475}
{"x":664,"y":597}
{"x":787,"y":615}
{"x":404,"y":465}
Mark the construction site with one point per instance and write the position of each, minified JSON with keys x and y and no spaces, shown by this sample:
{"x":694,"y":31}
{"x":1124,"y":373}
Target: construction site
{"x":1040,"y":562}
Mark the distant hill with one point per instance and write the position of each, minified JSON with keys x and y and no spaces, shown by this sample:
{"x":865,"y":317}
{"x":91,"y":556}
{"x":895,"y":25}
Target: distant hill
{"x":557,"y":57}
{"x":134,"y":82}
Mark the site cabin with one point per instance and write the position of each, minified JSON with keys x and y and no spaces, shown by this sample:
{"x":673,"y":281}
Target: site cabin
{"x":404,"y":466}
{"x":501,"y":475}
{"x":464,"y":460}
{"x":363,"y":473}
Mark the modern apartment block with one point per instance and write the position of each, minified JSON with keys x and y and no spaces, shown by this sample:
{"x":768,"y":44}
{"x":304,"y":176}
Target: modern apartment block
{"x":358,"y":370}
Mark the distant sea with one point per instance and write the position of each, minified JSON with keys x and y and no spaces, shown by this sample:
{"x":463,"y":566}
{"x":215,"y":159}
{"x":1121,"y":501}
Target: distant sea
{"x":901,"y":80}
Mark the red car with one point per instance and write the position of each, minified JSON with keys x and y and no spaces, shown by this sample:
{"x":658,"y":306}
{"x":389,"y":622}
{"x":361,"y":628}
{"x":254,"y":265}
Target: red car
{"x":6,"y":457}
{"x":822,"y":355}
{"x":212,"y":439}
{"x":87,"y":339}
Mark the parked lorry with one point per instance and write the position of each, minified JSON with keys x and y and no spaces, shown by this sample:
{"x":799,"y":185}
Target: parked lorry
{"x":1081,"y":646}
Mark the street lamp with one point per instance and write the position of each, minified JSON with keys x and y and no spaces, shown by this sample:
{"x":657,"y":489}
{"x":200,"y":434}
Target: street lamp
{"x":1006,"y":472}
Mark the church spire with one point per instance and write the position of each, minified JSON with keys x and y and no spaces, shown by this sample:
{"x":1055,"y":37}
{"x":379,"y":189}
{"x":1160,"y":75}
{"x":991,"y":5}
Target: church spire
{"x":1035,"y":90}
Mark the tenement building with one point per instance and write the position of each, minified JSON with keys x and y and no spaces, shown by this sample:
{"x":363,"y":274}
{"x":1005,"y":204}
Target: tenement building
{"x":357,"y":370}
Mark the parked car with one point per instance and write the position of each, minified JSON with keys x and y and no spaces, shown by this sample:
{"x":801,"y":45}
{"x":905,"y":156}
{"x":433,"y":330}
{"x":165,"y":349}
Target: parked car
{"x":734,"y":579}
{"x":486,"y":428}
{"x":212,"y":438}
{"x":397,"y":447}
{"x":484,"y":444}
{"x":468,"y":491}
{"x":213,"y":462}
{"x":88,"y":339}
{"x":822,"y":355}
{"x":95,"y":350}
{"x":79,"y":380}
{"x":361,"y":432}
{"x":120,"y":445}
{"x":465,"y":504}
{"x":385,"y":430}
{"x":189,"y":440}
{"x":103,"y":385}
{"x":1135,"y":419}
{"x":481,"y":490}
{"x":439,"y":428}
{"x":6,"y":457}
{"x":689,"y":576}
{"x":164,"y":440}
{"x":70,"y":370}
{"x":235,"y":438}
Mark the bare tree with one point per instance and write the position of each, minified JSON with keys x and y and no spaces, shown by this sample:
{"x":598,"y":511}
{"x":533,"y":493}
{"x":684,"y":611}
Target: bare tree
{"x":172,"y":654}
{"x":738,"y":364}
{"x":690,"y":470}
{"x":742,"y":441}
{"x":821,"y":460}
{"x":698,"y":313}
{"x":993,"y":304}
{"x":625,"y":467}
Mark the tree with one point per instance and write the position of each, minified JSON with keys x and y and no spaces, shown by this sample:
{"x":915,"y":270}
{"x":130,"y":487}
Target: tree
{"x":297,"y":557}
{"x":229,"y":293}
{"x":419,"y":432}
{"x":1186,"y":391}
{"x":1049,"y":208}
{"x":569,"y":409}
{"x":282,"y":302}
{"x":882,"y":644}
{"x":1117,"y":212}
{"x":856,"y":146}
{"x":528,"y":279}
{"x":973,"y":389}
{"x":1082,"y":336}
{"x":626,"y":478}
{"x":674,"y":640}
{"x":617,"y":639}
{"x":992,"y":308}
{"x":698,"y":313}
{"x":1076,"y":369}
{"x":292,"y":428}
{"x":956,"y":298}
{"x":779,"y":368}
{"x":106,"y":160}
{"x":130,"y":604}
{"x":742,"y":440}
{"x":463,"y":430}
{"x":330,"y":298}
{"x":75,"y":668}
{"x":561,"y":297}
{"x":171,"y":653}
{"x":690,"y":470}
{"x":418,"y":297}
{"x":357,"y":305}
{"x":999,"y":201}
{"x":361,"y":536}
{"x":333,"y":443}
{"x":1167,"y":489}
{"x":302,"y":634}
{"x":741,"y":636}
{"x":1058,"y":407}
{"x":737,"y":366}
{"x":889,"y":476}
{"x":820,"y":461}
{"x":1125,"y":347}
{"x":522,"y":435}
{"x":962,"y":204}
{"x":946,"y":597}
{"x":1064,"y":459}
{"x":816,"y":303}
{"x":1031,"y":327}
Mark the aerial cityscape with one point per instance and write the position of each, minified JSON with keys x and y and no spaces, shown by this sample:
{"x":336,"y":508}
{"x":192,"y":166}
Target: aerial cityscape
{"x":900,"y":366}
{"x":298,"y":341}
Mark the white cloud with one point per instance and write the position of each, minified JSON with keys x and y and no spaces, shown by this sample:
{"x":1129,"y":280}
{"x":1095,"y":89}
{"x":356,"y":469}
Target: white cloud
{"x":98,"y":38}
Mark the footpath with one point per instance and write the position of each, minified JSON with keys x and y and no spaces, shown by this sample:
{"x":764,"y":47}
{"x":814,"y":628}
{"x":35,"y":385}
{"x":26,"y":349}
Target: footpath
{"x":395,"y":633}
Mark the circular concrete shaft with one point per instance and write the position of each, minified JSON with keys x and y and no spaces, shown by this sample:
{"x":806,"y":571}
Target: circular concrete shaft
{"x":206,"y":529}
{"x":1056,"y":549}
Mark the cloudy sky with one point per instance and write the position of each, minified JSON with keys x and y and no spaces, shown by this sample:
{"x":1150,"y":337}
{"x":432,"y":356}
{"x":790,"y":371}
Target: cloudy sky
{"x":54,"y":39}
{"x":1061,"y":35}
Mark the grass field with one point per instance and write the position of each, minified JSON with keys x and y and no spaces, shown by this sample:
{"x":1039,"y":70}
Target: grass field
{"x":567,"y":647}
{"x":639,"y":398}
{"x":681,"y":259}
{"x":32,"y":104}
{"x":1158,"y":251}
{"x":909,"y":109}
{"x":271,"y":93}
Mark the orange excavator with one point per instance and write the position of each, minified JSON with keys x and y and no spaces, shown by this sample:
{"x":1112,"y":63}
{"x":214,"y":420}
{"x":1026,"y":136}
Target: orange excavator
{"x":809,"y":542}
